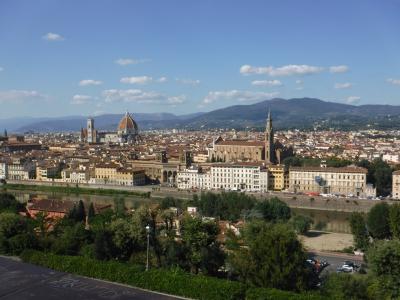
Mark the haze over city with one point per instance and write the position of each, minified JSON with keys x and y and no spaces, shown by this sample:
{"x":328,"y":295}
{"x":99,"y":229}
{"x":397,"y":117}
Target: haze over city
{"x":60,"y":58}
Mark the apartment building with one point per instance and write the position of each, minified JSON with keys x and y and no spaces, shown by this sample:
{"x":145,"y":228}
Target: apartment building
{"x":3,"y":170}
{"x":396,"y":185}
{"x":193,"y":178}
{"x":346,"y":181}
{"x":278,"y":177}
{"x":241,"y":176}
{"x":21,"y":169}
{"x":47,"y":172}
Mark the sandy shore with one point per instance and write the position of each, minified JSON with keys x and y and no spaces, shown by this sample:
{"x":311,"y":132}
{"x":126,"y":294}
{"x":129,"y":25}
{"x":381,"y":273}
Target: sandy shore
{"x":326,"y":241}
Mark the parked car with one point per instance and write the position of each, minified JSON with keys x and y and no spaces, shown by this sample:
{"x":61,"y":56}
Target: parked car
{"x":348,"y":267}
{"x":318,"y":265}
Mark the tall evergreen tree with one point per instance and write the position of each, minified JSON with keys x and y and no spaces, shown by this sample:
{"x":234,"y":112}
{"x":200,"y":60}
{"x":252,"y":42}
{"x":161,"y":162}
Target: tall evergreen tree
{"x":91,"y":212}
{"x":80,"y":212}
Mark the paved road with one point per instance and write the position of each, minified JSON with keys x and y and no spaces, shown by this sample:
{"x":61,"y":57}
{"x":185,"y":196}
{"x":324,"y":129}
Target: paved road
{"x":22,"y":281}
{"x":336,"y":260}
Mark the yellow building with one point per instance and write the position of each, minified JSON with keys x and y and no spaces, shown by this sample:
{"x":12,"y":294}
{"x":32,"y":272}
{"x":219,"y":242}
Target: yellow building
{"x":278,"y":178}
{"x":106,"y":173}
{"x":46,"y":172}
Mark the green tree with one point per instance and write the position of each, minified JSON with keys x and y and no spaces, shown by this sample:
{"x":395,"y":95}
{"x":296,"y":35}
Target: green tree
{"x":126,"y":237}
{"x":119,"y":206}
{"x":274,"y":210}
{"x":384,"y":261}
{"x":345,"y":287}
{"x":80,"y":212}
{"x":103,"y":245}
{"x":379,"y":174}
{"x":202,"y":250}
{"x":71,"y":240}
{"x":378,"y":221}
{"x":42,"y":223}
{"x":292,"y":161}
{"x":225,"y":206}
{"x":273,"y":257}
{"x":16,"y":234}
{"x":394,"y":220}
{"x":91,"y":213}
{"x":8,"y":203}
{"x":359,"y":231}
{"x":168,"y":202}
{"x":301,"y":224}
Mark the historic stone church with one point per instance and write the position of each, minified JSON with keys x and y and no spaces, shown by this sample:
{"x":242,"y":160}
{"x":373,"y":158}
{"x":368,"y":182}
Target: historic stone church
{"x":268,"y":151}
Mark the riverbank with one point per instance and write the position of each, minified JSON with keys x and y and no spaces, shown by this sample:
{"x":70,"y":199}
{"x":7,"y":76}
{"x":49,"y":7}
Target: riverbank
{"x":73,"y":190}
{"x":322,"y":241}
{"x":298,"y":201}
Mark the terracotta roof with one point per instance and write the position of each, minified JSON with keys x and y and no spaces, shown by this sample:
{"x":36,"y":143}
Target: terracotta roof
{"x":241,"y":143}
{"x":50,"y":205}
{"x":331,"y":170}
{"x":127,"y":122}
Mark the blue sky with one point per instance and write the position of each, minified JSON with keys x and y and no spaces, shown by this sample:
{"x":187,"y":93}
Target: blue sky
{"x":62,"y":58}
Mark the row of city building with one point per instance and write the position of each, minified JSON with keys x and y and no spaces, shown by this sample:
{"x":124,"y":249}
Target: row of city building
{"x":256,"y":177}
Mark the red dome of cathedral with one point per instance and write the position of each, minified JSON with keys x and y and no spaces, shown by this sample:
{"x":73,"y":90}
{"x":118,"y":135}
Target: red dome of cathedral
{"x":127,"y":124}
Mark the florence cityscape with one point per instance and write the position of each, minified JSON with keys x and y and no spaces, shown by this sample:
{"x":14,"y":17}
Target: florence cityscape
{"x":199,"y":150}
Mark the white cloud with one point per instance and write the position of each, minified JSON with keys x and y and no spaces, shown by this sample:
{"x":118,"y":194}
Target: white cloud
{"x":176,"y":99}
{"x":139,"y":96}
{"x":353,"y":99}
{"x":20,"y":96}
{"x":80,"y":99}
{"x":345,"y":85}
{"x":338,"y":69}
{"x":266,"y":82}
{"x":137,"y":79}
{"x":98,"y":113}
{"x":162,"y":79}
{"x":50,"y":36}
{"x":394,"y":81}
{"x":87,"y":82}
{"x":281,"y":71}
{"x":299,"y":88}
{"x":130,"y":61}
{"x":235,"y":95}
{"x":188,"y":81}
{"x":298,"y":81}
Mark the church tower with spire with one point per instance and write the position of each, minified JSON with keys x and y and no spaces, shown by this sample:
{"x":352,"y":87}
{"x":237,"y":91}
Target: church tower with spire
{"x":269,"y":140}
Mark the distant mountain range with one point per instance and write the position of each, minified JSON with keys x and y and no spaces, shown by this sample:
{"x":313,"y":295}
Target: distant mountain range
{"x":302,"y":113}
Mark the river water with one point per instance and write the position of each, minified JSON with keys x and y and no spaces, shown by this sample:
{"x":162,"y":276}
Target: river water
{"x":328,"y":220}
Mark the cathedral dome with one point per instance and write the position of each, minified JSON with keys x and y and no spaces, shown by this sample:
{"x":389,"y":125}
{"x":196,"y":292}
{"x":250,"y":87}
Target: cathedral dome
{"x":127,"y":125}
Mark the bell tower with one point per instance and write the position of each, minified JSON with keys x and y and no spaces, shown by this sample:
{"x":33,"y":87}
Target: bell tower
{"x":269,"y":140}
{"x":90,"y":130}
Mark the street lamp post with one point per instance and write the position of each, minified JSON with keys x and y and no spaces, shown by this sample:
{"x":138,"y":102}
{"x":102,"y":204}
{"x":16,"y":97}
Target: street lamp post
{"x":148,"y":246}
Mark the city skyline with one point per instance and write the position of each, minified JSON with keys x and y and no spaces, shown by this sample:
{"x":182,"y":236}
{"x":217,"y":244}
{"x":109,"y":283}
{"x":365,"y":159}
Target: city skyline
{"x":90,"y":58}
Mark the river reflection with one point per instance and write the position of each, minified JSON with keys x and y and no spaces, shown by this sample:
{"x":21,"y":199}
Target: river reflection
{"x":327,"y":220}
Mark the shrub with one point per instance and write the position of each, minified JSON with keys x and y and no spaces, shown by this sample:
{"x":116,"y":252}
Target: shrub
{"x":174,"y":281}
{"x":273,"y":294}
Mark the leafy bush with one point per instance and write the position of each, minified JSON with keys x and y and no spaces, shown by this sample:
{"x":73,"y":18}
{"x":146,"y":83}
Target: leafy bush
{"x":301,"y":224}
{"x":273,"y":294}
{"x":173,"y":281}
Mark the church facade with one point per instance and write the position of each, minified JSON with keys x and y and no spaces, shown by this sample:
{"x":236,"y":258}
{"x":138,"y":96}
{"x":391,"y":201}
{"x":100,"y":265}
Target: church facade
{"x":268,"y":151}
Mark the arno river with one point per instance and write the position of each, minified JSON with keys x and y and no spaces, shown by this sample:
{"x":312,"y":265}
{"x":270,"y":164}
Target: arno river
{"x":329,"y":220}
